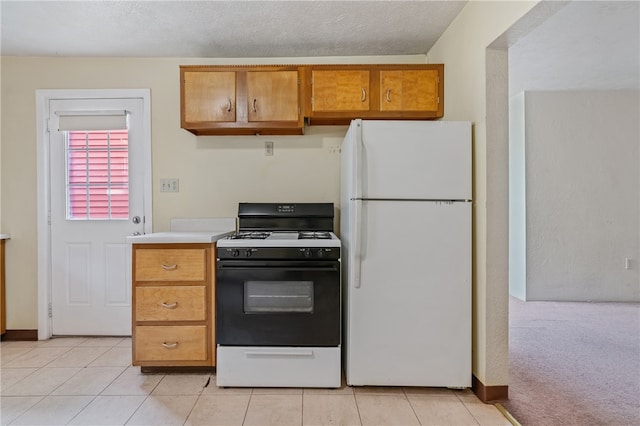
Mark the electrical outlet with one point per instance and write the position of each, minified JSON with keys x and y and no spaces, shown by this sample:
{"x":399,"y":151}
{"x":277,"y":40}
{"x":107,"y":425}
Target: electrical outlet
{"x":170,"y":185}
{"x":268,"y":148}
{"x":336,"y":149}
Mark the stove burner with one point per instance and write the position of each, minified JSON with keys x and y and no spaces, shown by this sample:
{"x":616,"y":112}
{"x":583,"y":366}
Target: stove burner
{"x":310,"y":235}
{"x":250,"y":236}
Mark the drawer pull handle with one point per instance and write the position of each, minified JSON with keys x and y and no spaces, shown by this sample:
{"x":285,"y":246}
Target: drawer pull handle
{"x":169,"y":267}
{"x":169,"y":305}
{"x":388,"y":95}
{"x":364,"y":95}
{"x":170,"y":345}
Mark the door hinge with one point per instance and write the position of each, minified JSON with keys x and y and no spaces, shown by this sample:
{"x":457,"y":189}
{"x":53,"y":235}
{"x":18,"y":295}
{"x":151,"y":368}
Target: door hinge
{"x":50,"y":311}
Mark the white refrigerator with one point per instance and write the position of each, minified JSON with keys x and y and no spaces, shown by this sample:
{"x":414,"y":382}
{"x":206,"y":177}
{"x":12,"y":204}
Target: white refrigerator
{"x":406,"y":232}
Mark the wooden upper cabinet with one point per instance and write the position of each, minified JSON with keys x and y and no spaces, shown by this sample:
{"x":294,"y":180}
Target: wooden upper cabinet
{"x":340,"y":90}
{"x":340,"y":93}
{"x":241,"y":100}
{"x":209,"y":96}
{"x":409,"y":90}
{"x":273,"y":96}
{"x":275,"y":99}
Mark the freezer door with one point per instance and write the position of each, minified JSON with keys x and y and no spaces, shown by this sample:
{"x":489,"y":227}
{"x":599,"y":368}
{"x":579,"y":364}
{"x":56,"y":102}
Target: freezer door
{"x":415,"y":160}
{"x":408,"y":323}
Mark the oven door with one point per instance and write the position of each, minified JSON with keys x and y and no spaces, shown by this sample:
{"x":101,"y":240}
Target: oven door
{"x":278,"y":303}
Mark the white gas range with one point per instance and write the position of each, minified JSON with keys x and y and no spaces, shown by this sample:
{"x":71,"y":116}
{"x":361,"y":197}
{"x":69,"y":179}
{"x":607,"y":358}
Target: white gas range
{"x":278,"y":298}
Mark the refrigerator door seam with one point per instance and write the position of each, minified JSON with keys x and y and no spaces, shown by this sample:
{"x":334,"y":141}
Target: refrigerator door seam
{"x":429,"y":200}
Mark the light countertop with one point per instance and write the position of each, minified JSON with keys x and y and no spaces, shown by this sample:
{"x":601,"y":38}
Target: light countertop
{"x":189,"y":230}
{"x":179,"y":237}
{"x":5,"y":236}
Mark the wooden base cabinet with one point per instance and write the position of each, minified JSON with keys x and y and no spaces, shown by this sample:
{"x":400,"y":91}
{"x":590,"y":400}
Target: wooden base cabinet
{"x":173,"y":305}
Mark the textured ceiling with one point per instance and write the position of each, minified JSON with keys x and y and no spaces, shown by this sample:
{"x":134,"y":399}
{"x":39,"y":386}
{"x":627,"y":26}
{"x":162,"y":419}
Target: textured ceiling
{"x":582,"y":45}
{"x":223,"y":28}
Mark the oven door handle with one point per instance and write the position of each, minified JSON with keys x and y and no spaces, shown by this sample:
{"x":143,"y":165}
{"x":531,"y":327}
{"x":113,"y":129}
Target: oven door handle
{"x":331,"y":268}
{"x":270,"y":353}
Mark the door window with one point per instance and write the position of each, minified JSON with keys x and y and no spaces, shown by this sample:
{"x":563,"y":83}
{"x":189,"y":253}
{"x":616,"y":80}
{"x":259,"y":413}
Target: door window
{"x":97,"y":175}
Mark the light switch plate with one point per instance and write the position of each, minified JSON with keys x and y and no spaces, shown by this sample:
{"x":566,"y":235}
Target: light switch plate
{"x":170,"y":185}
{"x":268,"y":148}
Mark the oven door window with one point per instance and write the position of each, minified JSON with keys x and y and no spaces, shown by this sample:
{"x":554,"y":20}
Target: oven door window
{"x":268,"y":297}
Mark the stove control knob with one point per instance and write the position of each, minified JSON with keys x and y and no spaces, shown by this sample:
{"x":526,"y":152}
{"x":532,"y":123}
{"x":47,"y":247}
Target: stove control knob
{"x":320,"y":253}
{"x":235,"y":253}
{"x":307,"y":253}
{"x":247,"y":253}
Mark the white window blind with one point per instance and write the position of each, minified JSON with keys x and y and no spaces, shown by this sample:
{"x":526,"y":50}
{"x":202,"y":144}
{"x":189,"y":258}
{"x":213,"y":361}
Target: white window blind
{"x":92,"y":120}
{"x":97,"y":175}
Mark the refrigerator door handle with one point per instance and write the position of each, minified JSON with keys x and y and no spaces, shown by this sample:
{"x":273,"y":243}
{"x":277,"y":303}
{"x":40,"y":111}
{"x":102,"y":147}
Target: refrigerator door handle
{"x":357,"y":243}
{"x":357,"y":160}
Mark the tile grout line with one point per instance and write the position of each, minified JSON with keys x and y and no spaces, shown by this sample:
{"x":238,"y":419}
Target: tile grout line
{"x":357,"y":406}
{"x":96,"y":396}
{"x":404,"y":392}
{"x":144,"y":400}
{"x":193,"y":406}
{"x":246,"y":410}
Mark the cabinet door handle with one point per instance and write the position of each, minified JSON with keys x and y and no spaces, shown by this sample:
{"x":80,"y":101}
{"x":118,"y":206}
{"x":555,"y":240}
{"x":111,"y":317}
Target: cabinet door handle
{"x":364,"y":95}
{"x":169,"y":305}
{"x":229,"y":106}
{"x":254,"y":105}
{"x":170,"y":345}
{"x":388,"y":95}
{"x":169,"y":267}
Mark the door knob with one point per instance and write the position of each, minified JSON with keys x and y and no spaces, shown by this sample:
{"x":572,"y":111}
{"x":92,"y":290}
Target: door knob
{"x":136,"y":219}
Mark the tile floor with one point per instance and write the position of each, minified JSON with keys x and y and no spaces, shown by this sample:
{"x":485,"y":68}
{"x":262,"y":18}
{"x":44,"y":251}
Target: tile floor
{"x":90,"y":381}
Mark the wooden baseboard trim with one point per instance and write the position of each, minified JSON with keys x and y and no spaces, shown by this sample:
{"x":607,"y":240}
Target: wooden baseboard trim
{"x":169,"y":370}
{"x":489,"y":394}
{"x":15,"y":335}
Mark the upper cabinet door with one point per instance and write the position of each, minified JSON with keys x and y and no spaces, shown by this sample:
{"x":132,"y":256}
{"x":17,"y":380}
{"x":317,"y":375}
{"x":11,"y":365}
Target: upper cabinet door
{"x":340,"y":90}
{"x":209,"y":96}
{"x":409,"y":90}
{"x":273,"y":96}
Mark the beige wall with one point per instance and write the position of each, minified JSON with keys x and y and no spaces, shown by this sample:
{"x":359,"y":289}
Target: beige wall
{"x":1,"y":231}
{"x":295,"y":172}
{"x":215,"y":172}
{"x":463,"y":50}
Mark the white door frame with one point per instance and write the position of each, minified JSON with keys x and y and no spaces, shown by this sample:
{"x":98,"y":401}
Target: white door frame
{"x":43,"y":181}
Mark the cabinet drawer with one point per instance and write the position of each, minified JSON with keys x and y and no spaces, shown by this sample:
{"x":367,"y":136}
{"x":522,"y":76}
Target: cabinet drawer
{"x":171,"y":303}
{"x":170,"y":265}
{"x":171,"y":343}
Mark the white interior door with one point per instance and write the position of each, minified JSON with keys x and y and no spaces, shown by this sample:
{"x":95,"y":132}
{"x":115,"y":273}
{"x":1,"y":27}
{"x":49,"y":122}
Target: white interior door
{"x":96,"y":200}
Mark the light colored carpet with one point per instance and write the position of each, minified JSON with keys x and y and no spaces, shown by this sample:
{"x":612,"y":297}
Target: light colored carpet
{"x":574,"y":363}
